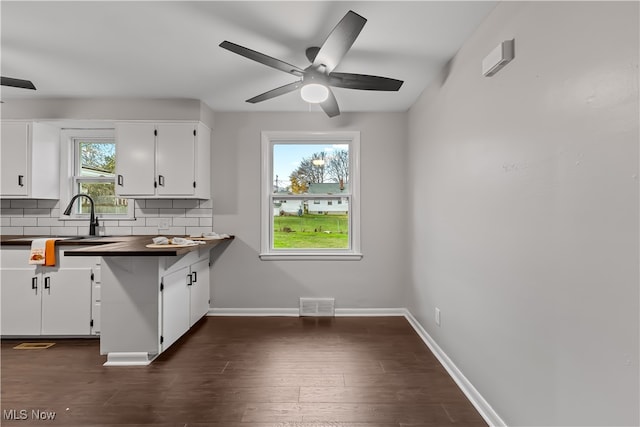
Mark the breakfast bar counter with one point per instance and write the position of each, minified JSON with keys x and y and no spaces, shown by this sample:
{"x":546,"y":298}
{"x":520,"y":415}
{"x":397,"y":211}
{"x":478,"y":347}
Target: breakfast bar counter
{"x":112,"y":245}
{"x":136,"y":246}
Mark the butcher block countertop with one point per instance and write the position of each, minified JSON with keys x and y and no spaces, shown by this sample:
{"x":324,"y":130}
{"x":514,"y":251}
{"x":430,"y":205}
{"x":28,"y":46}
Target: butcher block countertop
{"x":111,"y":245}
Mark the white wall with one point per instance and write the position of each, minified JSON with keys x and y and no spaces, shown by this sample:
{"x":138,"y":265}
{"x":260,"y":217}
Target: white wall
{"x":524,"y":214}
{"x":241,"y":280}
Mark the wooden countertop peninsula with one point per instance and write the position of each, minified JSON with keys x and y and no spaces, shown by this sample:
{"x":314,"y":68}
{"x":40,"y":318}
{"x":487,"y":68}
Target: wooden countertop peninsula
{"x":112,"y":245}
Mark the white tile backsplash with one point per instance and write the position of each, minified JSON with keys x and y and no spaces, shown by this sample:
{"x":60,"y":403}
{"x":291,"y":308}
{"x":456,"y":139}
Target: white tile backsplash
{"x":171,"y":212}
{"x":24,"y":204}
{"x":184,"y":221}
{"x":163,"y":203}
{"x":20,"y":221}
{"x":42,"y":217}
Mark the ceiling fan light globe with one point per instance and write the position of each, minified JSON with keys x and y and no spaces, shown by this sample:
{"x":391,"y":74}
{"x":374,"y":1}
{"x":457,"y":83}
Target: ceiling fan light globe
{"x":314,"y":93}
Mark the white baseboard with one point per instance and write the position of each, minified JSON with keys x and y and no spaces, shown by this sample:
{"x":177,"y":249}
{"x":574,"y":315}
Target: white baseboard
{"x":294,"y":312}
{"x":476,"y":399}
{"x":254,"y":312}
{"x":129,"y":359}
{"x":369,"y":312}
{"x":474,"y":396}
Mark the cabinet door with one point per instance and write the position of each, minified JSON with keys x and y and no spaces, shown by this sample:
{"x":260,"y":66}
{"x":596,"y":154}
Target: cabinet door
{"x":20,"y":301}
{"x":199,"y":290}
{"x":66,"y":302}
{"x":175,"y":306}
{"x":14,"y":154}
{"x":135,"y":165}
{"x":96,"y":300}
{"x":176,"y":159}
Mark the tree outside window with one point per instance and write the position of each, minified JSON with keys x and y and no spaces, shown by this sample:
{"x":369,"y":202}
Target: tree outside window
{"x":95,"y":176}
{"x":310,"y":201}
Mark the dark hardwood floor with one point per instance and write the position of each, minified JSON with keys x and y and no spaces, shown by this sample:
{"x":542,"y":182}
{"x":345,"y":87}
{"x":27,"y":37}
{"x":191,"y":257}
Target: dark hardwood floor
{"x":243,"y":371}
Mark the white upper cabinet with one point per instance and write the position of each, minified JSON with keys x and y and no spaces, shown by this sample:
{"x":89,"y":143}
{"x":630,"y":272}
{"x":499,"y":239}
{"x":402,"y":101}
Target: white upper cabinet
{"x":176,"y":159}
{"x":136,"y":159}
{"x":29,"y":158}
{"x":163,"y":160}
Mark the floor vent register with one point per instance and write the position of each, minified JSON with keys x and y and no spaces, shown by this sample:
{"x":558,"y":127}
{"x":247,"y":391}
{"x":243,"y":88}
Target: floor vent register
{"x":319,"y":307}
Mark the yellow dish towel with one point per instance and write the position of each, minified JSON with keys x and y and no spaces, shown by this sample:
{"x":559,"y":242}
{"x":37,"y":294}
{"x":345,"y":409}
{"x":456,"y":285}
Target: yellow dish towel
{"x":43,"y":252}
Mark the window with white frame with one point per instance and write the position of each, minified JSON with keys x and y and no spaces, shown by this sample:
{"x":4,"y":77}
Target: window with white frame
{"x":91,"y":170}
{"x":310,"y":195}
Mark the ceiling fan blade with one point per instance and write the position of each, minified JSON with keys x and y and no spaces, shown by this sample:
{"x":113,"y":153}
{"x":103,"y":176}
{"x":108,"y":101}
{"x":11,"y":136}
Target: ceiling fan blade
{"x":276,"y":92}
{"x":339,"y":41}
{"x":23,"y":84}
{"x":364,"y":82}
{"x":330,"y":106}
{"x":262,"y":58}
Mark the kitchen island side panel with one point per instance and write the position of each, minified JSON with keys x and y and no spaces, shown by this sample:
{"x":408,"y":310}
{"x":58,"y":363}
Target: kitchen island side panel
{"x":130,"y":305}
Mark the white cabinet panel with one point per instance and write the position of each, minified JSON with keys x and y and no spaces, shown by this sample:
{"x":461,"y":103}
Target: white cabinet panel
{"x":66,"y":302}
{"x":96,"y":300}
{"x":175,"y":306}
{"x":20,"y":296}
{"x":29,"y":158}
{"x":199,"y":294}
{"x":135,"y":153}
{"x":14,"y":159}
{"x":176,"y":159}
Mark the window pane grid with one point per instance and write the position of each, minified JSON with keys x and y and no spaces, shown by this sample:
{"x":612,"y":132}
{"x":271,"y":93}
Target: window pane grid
{"x":310,"y":197}
{"x":95,"y":175}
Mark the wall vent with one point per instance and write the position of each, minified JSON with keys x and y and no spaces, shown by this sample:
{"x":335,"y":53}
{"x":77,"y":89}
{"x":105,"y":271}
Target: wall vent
{"x":317,"y":306}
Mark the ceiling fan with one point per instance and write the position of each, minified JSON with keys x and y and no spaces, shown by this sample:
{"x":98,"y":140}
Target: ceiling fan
{"x":316,"y":79}
{"x":19,"y":83}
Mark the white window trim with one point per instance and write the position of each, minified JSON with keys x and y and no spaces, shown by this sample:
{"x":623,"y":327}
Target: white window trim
{"x":268,"y":139}
{"x":67,"y":169}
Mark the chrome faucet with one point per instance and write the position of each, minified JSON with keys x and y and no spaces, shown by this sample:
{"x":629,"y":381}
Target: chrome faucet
{"x":93,"y":221}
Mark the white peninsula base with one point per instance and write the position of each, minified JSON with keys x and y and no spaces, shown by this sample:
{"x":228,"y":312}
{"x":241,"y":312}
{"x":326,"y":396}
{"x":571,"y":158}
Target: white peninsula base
{"x":148,"y":302}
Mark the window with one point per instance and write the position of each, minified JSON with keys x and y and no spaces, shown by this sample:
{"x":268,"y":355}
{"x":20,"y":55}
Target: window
{"x":92,"y":163}
{"x":310,"y":201}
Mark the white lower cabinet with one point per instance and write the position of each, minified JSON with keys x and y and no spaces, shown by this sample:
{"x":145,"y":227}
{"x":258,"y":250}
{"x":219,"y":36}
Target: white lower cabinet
{"x":199,"y":291}
{"x":45,"y":301}
{"x":149,"y":302}
{"x":185,"y":299}
{"x":65,"y":302}
{"x":21,"y":301}
{"x":96,"y":304}
{"x":175,"y":306}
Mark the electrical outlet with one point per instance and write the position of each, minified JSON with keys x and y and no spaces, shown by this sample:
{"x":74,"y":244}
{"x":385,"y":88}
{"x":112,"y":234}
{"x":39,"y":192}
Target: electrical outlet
{"x":164,"y":224}
{"x":437,"y":316}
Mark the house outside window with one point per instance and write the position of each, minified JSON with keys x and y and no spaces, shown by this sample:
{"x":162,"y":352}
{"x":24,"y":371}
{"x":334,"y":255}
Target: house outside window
{"x":317,"y":175}
{"x":91,"y":155}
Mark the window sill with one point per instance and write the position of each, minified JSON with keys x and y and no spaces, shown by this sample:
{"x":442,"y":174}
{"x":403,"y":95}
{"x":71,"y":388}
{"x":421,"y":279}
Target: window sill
{"x":297,"y":256}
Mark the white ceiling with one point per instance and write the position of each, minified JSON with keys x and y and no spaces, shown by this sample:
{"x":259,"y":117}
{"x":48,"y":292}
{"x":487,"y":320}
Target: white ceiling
{"x":162,"y":49}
